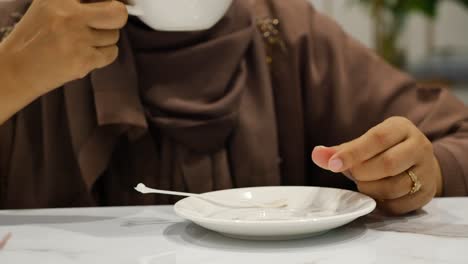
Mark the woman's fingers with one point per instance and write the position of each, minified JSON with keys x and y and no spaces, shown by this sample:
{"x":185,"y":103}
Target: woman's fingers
{"x":410,"y":202}
{"x":105,"y":15}
{"x":388,"y":188}
{"x":394,"y":193}
{"x":378,"y":139}
{"x":321,"y":155}
{"x":106,"y":55}
{"x":104,"y":38}
{"x":63,"y":40}
{"x":104,"y":18}
{"x":391,"y":162}
{"x":379,"y":160}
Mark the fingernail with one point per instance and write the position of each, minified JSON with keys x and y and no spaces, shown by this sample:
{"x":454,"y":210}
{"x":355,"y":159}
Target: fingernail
{"x":319,"y":147}
{"x":335,"y":165}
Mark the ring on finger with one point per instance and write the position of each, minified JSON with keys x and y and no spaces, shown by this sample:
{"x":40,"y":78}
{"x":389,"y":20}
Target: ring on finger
{"x":415,"y":180}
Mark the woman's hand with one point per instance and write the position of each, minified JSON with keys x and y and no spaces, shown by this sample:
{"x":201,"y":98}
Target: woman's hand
{"x":379,"y":162}
{"x":58,"y":41}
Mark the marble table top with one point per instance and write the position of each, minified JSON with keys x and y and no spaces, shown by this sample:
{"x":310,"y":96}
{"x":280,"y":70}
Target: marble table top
{"x":150,"y":235}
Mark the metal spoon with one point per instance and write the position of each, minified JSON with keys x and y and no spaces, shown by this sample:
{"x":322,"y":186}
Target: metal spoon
{"x":240,"y":204}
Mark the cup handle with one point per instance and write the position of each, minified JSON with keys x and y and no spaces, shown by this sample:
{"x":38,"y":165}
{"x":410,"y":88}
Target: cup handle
{"x":134,"y":11}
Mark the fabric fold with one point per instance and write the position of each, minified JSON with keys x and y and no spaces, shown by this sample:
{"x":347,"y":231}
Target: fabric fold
{"x":162,"y":121}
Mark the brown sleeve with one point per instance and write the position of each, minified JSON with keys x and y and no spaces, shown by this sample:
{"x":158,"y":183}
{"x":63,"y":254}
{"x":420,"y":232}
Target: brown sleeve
{"x":9,"y":11}
{"x":353,"y":90}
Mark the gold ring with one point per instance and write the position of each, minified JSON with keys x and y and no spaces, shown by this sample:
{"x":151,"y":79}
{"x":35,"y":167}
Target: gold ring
{"x":416,"y":183}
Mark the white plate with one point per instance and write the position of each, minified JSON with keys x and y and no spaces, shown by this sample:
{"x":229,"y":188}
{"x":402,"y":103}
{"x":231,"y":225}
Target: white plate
{"x":310,"y":211}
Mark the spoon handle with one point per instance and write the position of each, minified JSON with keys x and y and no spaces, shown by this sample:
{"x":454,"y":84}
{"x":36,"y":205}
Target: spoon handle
{"x":143,"y":189}
{"x":239,"y":204}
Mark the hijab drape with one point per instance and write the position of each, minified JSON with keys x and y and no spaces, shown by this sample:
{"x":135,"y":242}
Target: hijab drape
{"x":183,"y":111}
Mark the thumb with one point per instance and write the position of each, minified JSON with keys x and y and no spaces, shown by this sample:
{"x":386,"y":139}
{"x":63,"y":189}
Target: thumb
{"x":321,"y":156}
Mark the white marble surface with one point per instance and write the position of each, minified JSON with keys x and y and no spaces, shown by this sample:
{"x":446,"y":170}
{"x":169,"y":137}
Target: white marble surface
{"x":149,"y":235}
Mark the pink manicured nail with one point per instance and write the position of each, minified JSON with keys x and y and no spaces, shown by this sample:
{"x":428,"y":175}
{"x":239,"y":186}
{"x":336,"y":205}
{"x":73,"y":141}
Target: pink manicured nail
{"x":335,"y":165}
{"x":318,"y":147}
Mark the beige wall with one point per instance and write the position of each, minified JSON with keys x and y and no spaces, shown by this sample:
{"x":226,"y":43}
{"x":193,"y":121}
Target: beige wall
{"x":451,"y":27}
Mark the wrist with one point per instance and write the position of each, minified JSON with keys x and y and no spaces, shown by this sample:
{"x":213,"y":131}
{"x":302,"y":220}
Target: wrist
{"x":15,"y":93}
{"x":15,"y":76}
{"x":8,"y":69}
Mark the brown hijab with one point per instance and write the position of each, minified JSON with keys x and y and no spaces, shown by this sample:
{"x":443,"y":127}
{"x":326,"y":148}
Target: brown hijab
{"x":180,"y":111}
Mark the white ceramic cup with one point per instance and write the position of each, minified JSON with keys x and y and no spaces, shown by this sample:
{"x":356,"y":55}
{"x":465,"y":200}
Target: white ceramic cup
{"x":179,"y":15}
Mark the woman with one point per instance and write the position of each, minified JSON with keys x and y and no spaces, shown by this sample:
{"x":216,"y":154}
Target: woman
{"x":241,"y":104}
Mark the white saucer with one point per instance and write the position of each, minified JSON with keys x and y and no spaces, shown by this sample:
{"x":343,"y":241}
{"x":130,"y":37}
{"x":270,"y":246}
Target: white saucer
{"x":310,"y":211}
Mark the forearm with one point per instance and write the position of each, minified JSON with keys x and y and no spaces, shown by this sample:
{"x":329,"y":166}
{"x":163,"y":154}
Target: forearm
{"x":15,"y":92}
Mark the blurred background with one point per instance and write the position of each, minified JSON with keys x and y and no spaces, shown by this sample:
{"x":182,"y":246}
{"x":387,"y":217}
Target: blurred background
{"x":427,"y":38}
